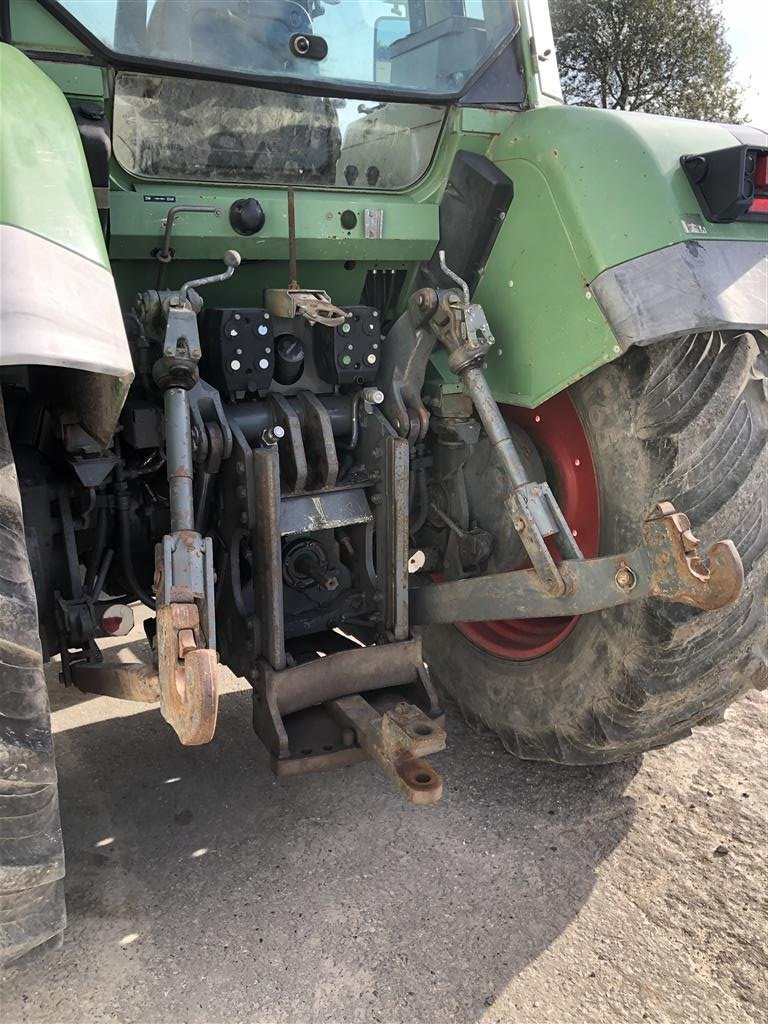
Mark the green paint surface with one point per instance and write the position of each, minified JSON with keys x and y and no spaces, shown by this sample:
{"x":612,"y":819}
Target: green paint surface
{"x":410,"y":229}
{"x":615,"y":178}
{"x":548,"y":331}
{"x":33,"y":26}
{"x":44,"y":183}
{"x":593,"y":189}
{"x":75,"y":79}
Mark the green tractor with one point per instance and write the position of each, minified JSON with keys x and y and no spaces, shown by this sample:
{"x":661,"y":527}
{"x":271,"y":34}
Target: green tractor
{"x":379,"y":376}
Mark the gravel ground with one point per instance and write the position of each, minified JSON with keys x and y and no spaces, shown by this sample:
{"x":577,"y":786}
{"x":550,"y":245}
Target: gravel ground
{"x":201,"y":890}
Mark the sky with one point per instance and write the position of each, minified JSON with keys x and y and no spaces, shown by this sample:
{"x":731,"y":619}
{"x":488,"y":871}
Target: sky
{"x":747,"y":32}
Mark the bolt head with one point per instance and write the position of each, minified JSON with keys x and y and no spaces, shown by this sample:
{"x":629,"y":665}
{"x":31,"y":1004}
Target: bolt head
{"x":373,"y":396}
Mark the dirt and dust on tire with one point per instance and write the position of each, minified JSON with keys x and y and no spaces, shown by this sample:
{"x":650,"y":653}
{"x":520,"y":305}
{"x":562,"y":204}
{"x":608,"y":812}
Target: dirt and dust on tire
{"x":31,"y":851}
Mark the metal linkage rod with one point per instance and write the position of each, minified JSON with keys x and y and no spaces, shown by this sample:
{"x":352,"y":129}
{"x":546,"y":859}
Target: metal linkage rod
{"x":178,"y":444}
{"x":494,"y":424}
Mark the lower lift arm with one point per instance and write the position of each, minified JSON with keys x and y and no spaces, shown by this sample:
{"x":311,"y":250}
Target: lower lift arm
{"x":666,"y":565}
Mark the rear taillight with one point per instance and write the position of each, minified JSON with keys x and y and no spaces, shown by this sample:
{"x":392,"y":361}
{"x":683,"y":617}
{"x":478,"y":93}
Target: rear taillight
{"x":730,"y":184}
{"x":760,"y":202}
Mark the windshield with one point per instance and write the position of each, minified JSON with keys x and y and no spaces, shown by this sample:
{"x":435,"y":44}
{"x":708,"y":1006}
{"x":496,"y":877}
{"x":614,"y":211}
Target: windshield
{"x":422,"y":46}
{"x":195,"y":130}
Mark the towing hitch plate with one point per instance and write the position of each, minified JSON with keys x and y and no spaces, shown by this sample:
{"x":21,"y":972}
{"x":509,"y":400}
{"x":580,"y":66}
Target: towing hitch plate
{"x":398,"y":741}
{"x":667,"y":565}
{"x":313,"y":717}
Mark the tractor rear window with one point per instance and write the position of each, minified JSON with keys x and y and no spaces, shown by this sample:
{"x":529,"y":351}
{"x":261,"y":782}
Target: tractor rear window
{"x":193,"y":130}
{"x":417,"y":46}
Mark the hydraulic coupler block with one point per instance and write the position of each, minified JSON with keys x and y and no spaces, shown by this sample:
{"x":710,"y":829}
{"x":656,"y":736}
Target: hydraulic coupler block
{"x":349,"y":352}
{"x":238,"y":350}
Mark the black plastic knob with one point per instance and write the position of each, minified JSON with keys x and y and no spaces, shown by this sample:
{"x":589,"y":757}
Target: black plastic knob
{"x":247,"y":216}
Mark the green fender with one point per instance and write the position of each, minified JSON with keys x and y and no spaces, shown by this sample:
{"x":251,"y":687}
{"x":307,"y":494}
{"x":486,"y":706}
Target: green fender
{"x":58,"y":305}
{"x":604,"y":245}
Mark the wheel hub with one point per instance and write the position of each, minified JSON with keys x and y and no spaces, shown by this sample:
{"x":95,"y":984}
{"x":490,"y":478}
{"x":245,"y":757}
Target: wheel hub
{"x":556,"y":446}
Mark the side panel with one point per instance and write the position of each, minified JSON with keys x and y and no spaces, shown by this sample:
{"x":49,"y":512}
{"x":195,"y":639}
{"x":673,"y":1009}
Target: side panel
{"x":45,"y":186}
{"x":549,"y":330}
{"x":596,"y":190}
{"x":59,"y":306}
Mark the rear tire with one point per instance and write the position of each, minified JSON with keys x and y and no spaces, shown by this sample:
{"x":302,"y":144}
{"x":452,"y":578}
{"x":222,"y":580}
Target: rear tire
{"x":686,"y":421}
{"x":31,"y":852}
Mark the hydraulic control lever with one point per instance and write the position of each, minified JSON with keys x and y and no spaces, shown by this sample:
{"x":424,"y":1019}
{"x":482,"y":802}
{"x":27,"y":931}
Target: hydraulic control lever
{"x":231,"y":261}
{"x":462,"y":329}
{"x":184,"y":580}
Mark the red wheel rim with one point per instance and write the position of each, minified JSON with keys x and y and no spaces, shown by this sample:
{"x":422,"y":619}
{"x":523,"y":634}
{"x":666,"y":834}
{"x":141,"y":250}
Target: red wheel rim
{"x":557,"y":431}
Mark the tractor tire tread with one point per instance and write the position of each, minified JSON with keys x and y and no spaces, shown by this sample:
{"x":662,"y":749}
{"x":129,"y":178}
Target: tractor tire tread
{"x":32,"y":915}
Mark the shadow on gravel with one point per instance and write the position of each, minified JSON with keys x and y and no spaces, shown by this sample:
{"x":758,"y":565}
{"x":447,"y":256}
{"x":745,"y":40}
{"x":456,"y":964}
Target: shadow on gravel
{"x":200,"y":889}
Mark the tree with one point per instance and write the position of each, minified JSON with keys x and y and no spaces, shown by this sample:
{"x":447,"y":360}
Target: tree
{"x":660,"y":56}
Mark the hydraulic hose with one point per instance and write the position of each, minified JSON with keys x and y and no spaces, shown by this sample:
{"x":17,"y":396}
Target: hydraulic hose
{"x":99,"y":543}
{"x":123,"y":505}
{"x":125,"y":553}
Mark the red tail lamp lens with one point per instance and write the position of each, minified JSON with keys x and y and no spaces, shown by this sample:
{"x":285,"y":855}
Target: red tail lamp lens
{"x":760,"y":203}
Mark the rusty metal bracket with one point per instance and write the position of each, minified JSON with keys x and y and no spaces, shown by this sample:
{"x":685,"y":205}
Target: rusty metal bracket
{"x":398,"y":741}
{"x":291,"y":712}
{"x":126,"y":680}
{"x":313,"y":304}
{"x":666,"y":566}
